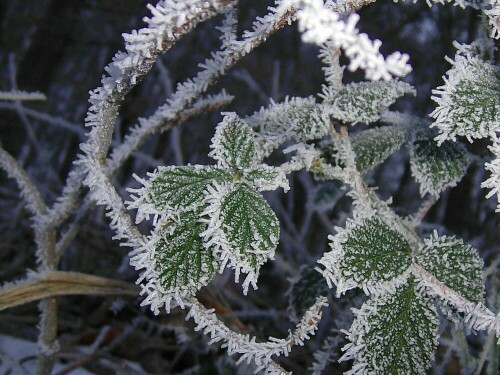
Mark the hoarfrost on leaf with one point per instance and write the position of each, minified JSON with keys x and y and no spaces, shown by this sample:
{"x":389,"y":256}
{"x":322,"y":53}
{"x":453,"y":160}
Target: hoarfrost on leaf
{"x":362,"y":101}
{"x":367,"y":254}
{"x":393,"y":333}
{"x":469,"y":101}
{"x":176,"y":188}
{"x":182,"y":263}
{"x":436,"y":167}
{"x":373,"y":146}
{"x":242,"y":228}
{"x":233,"y":145}
{"x":298,"y":119}
{"x":455,"y":264}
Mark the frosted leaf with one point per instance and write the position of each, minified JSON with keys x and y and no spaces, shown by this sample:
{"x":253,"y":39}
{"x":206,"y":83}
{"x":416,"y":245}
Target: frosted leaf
{"x":455,"y":264}
{"x":362,"y":101}
{"x":250,"y":225}
{"x":233,"y":145}
{"x":436,"y":167}
{"x":180,"y":187}
{"x":182,"y":263}
{"x":299,"y":119}
{"x":305,"y":290}
{"x":393,"y":333}
{"x":243,"y":228}
{"x":469,"y":101}
{"x":325,"y":196}
{"x":373,"y":146}
{"x":367,"y":254}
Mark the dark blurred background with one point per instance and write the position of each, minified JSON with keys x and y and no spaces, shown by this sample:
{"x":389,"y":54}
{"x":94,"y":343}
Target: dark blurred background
{"x":60,"y":47}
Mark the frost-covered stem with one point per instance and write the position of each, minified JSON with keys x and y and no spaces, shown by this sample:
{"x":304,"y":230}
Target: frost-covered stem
{"x":324,"y":356}
{"x":47,"y":340}
{"x":250,"y":350}
{"x":192,"y":88}
{"x":330,"y":55}
{"x":46,"y":257}
{"x":165,"y":28}
{"x":423,"y":210}
{"x":29,"y":192}
{"x":16,"y":95}
{"x":477,"y":316}
{"x":318,"y":24}
{"x":365,"y":197}
{"x":160,"y":122}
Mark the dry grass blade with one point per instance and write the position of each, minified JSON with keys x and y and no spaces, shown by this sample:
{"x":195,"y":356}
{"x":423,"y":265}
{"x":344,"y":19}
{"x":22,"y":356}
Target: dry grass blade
{"x":59,"y":283}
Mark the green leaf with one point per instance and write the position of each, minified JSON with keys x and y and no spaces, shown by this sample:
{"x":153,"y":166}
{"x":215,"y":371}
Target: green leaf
{"x":299,"y":119}
{"x":233,"y":144}
{"x":367,"y":254}
{"x":394,"y":333}
{"x":362,"y":101}
{"x":455,"y":264}
{"x":437,"y":167}
{"x":308,"y":286}
{"x":244,"y":229}
{"x":373,"y":146}
{"x":469,"y":102}
{"x":181,"y":188}
{"x":182,"y":263}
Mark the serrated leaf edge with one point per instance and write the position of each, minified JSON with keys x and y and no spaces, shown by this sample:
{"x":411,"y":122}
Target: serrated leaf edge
{"x":425,"y":181}
{"x":141,"y":198}
{"x":215,"y":238}
{"x":144,"y":259}
{"x":436,"y":240}
{"x":332,"y":259}
{"x":355,"y":333}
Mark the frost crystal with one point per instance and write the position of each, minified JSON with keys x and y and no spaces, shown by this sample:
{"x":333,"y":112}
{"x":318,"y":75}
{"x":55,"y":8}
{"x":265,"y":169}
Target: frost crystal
{"x":320,"y":24}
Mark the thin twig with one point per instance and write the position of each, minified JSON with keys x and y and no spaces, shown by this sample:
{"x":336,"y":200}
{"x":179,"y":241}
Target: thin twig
{"x":29,"y":191}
